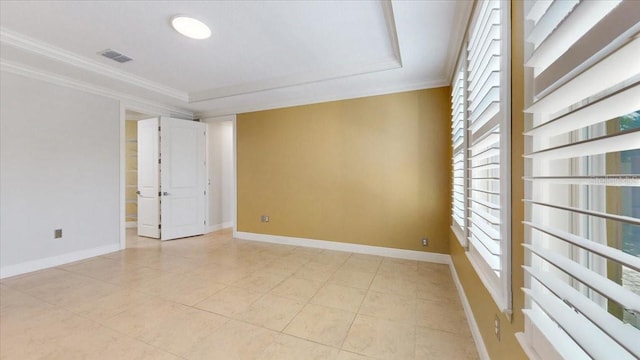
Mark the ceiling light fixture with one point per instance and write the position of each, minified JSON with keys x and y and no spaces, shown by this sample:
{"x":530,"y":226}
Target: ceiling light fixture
{"x":190,"y":27}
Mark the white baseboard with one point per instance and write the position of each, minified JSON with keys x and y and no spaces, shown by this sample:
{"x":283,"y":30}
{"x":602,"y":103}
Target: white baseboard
{"x":217,"y":227}
{"x":473,"y":325}
{"x":131,"y":224}
{"x":348,"y":247}
{"x":29,"y":266}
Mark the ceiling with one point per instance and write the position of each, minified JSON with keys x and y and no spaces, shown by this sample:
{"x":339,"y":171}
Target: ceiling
{"x":261,"y":55}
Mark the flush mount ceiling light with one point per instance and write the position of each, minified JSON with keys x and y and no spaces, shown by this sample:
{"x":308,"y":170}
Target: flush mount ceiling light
{"x":190,"y":27}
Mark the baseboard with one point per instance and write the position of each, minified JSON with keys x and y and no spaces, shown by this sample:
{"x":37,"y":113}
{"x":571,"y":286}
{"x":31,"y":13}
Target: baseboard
{"x":348,"y":247}
{"x":217,"y":227}
{"x":29,"y":266}
{"x":131,"y":224}
{"x":473,"y":325}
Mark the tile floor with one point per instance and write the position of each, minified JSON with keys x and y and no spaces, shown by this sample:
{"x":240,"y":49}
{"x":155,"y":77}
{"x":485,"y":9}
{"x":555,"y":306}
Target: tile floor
{"x":215,"y":297}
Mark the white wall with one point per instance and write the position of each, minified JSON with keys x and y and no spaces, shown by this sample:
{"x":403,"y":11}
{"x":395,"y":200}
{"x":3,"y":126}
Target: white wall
{"x":59,"y":168}
{"x":220,"y":161}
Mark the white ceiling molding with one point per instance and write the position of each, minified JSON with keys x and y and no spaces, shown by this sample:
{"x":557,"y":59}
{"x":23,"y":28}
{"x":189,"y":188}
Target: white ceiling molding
{"x":262,"y":55}
{"x":463,"y":14}
{"x":297,"y":79}
{"x":306,"y":100}
{"x":390,"y":62}
{"x":40,"y":48}
{"x":34,"y":46}
{"x":130,"y":101}
{"x":387,"y":8}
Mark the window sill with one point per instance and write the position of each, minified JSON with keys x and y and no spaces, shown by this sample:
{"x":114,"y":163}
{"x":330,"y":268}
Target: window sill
{"x":490,"y":281}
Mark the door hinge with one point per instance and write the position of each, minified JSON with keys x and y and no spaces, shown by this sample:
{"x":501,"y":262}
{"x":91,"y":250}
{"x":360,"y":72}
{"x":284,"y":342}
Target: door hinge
{"x":159,"y":226}
{"x":205,"y":222}
{"x":159,"y":193}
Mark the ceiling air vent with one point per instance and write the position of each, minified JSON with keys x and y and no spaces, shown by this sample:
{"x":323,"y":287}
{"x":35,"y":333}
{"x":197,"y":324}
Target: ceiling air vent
{"x":114,"y":55}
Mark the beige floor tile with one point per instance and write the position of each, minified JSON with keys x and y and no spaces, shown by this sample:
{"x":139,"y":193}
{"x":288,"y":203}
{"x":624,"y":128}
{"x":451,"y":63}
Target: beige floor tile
{"x":229,"y":301}
{"x":321,"y":324}
{"x":69,"y":289}
{"x":178,"y":333}
{"x":394,"y":284}
{"x":110,"y":305}
{"x":272,"y":312}
{"x":441,"y":315}
{"x":98,"y":268}
{"x":331,"y":257}
{"x":214,"y":297}
{"x":183,"y":288}
{"x":284,"y":267}
{"x":389,"y":306}
{"x":316,"y":271}
{"x":366,"y":263}
{"x":339,"y":297}
{"x":353,"y":278}
{"x":436,"y":344}
{"x":132,"y":277}
{"x":233,"y":341}
{"x":260,"y":281}
{"x":398,"y":266}
{"x":98,"y":342}
{"x":143,"y":317}
{"x":220,"y":274}
{"x":292,"y":348}
{"x":53,"y":335}
{"x":346,"y":355}
{"x":382,"y":339}
{"x":297,"y":289}
{"x":34,"y":279}
{"x":12,"y":300}
{"x":437,"y":291}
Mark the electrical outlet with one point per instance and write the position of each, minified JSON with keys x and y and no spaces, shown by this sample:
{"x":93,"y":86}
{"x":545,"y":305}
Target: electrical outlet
{"x":57,"y":233}
{"x":425,"y":242}
{"x":496,"y":324}
{"x":264,"y":218}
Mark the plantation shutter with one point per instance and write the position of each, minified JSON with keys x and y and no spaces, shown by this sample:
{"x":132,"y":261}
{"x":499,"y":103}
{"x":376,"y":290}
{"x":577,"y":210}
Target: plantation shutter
{"x":585,"y":76}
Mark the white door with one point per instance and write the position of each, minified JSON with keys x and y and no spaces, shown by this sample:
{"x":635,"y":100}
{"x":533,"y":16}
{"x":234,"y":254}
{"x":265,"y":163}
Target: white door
{"x":182,"y":178}
{"x":148,"y":178}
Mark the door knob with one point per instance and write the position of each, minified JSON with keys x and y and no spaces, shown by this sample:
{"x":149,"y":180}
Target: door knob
{"x":165,"y":193}
{"x":138,"y":192}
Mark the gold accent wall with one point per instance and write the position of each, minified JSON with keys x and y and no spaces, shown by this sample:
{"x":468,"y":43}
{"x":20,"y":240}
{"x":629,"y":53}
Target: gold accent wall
{"x":371,"y":171}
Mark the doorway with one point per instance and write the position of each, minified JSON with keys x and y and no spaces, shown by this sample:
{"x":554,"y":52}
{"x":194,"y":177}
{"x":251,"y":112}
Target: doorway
{"x":221,"y":179}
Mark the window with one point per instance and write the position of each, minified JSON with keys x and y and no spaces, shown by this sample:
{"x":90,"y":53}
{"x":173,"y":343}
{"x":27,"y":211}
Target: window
{"x":458,"y":129}
{"x":481,"y":149}
{"x":582,"y":183}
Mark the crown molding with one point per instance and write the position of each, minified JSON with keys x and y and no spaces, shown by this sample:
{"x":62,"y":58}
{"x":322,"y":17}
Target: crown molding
{"x":333,"y":73}
{"x":390,"y":62}
{"x":52,"y":52}
{"x":463,"y":14}
{"x":390,"y":20}
{"x":307,"y":100}
{"x":130,"y":101}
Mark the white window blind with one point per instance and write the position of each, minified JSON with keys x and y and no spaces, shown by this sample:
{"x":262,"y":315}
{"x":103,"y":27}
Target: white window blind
{"x":488,"y":145}
{"x":458,"y":130}
{"x":582,"y":183}
{"x":481,"y":149}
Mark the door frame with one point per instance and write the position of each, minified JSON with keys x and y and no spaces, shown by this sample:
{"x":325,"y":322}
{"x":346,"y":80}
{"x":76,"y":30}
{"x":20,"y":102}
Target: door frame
{"x":122,"y":169}
{"x":149,"y":112}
